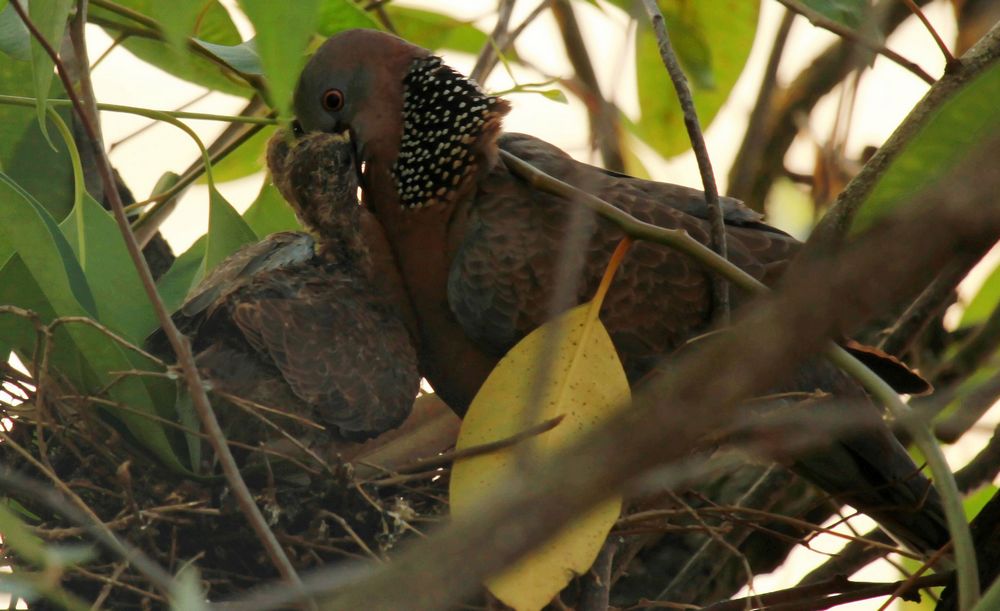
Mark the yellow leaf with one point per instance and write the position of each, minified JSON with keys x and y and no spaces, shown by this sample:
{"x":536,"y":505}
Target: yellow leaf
{"x":583,"y":381}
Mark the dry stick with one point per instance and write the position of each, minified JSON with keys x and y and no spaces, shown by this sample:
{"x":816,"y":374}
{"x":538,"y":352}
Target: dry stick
{"x":912,"y":579}
{"x":720,"y":287}
{"x":446,"y":458}
{"x":178,"y":343}
{"x":949,"y":58}
{"x":843,"y":31}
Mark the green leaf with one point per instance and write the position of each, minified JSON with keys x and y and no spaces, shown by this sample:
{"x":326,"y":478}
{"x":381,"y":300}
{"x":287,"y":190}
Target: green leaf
{"x":49,"y":17}
{"x":18,"y":287}
{"x":954,"y":130}
{"x":31,"y":231}
{"x":282,"y":36}
{"x":269,"y":213}
{"x":214,"y":26}
{"x":17,"y":535}
{"x":15,"y":40}
{"x":122,"y":303}
{"x":188,"y":593}
{"x":339,"y":15}
{"x":985,"y":302}
{"x":34,"y":235}
{"x":846,"y":12}
{"x":186,"y":271}
{"x":25,"y":155}
{"x":712,"y":39}
{"x":242,"y":58}
{"x":436,"y":31}
{"x":227,"y":231}
{"x":178,"y":19}
{"x":247,"y":159}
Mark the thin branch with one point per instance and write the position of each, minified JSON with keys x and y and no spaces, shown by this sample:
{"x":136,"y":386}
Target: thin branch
{"x":446,"y":458}
{"x":904,"y":332}
{"x":179,"y":344}
{"x":853,"y":35}
{"x":497,"y":40}
{"x":720,"y":288}
{"x":948,"y":57}
{"x":749,"y":160}
{"x":605,"y":128}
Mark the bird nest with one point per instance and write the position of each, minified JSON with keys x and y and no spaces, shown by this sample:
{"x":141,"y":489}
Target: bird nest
{"x":330,"y":504}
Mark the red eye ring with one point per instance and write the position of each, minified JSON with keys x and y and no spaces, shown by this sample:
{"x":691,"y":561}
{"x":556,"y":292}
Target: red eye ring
{"x":333,"y":100}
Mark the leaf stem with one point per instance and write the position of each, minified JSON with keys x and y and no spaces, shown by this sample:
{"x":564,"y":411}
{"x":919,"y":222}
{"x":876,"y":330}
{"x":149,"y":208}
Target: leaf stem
{"x":948,"y":57}
{"x":16,"y":100}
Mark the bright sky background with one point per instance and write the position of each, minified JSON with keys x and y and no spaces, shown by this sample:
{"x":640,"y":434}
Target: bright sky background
{"x":886,"y":94}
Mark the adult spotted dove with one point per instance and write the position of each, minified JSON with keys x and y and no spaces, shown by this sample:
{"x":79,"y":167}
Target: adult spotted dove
{"x":482,"y":252}
{"x":304,"y":329}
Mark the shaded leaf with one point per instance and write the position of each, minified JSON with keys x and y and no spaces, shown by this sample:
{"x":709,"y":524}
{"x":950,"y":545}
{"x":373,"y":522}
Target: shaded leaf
{"x":121,"y":301}
{"x":15,"y":40}
{"x":712,"y":39}
{"x":846,"y":12}
{"x":179,"y":20}
{"x":19,"y":537}
{"x":187,"y":593}
{"x":48,"y":257}
{"x":27,"y":227}
{"x":436,"y":31}
{"x":339,"y":15}
{"x":955,"y":129}
{"x":227,"y":231}
{"x":18,"y":287}
{"x":214,"y":26}
{"x":242,"y":57}
{"x":182,"y":275}
{"x":269,"y":213}
{"x":586,"y":384}
{"x":49,"y":17}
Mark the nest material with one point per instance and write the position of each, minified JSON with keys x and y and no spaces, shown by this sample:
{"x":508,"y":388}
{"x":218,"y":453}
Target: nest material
{"x":322,"y":513}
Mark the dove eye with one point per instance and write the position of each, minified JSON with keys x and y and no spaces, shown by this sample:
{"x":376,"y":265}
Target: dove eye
{"x":333,"y":100}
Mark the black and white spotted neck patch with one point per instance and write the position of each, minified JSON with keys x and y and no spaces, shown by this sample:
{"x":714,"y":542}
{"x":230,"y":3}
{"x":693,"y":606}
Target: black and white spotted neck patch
{"x":444,"y":114}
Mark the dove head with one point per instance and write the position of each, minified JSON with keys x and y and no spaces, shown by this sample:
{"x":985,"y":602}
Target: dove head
{"x":420,"y":129}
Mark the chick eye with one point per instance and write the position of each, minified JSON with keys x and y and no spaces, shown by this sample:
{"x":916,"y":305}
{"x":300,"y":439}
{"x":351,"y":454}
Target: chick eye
{"x":333,"y":100}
